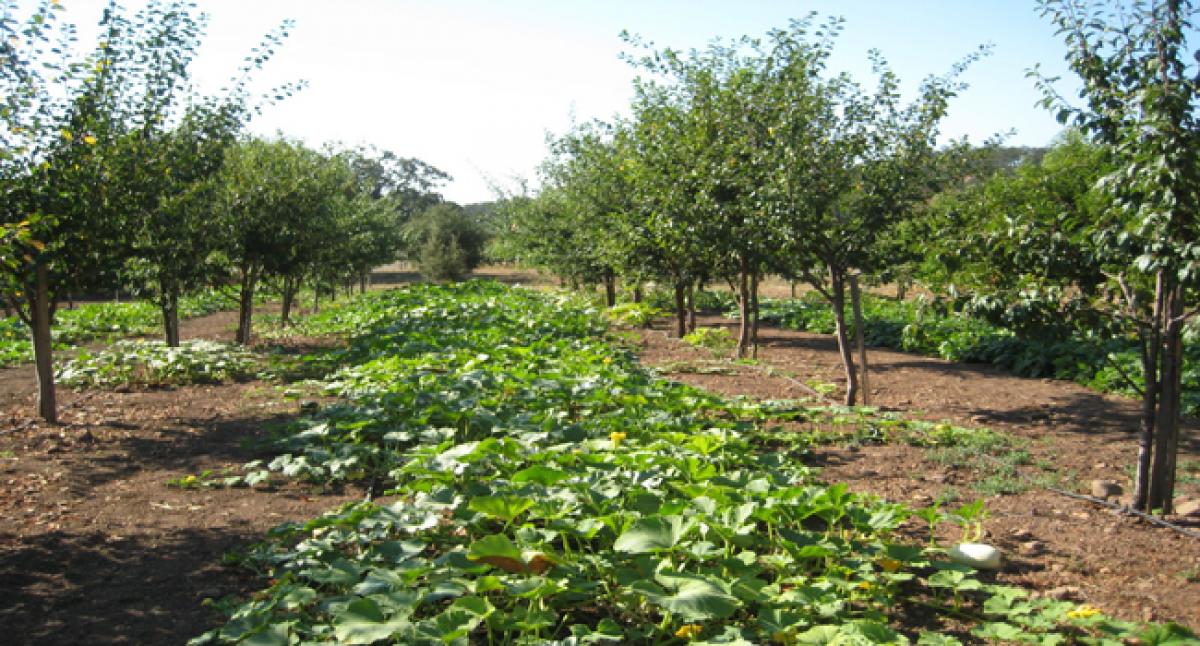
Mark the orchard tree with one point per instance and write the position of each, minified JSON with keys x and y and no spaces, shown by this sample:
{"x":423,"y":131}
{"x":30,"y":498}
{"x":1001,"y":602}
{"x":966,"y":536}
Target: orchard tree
{"x":165,"y":162}
{"x":280,"y":202}
{"x":841,"y":166}
{"x":55,"y":116}
{"x":1140,"y":100}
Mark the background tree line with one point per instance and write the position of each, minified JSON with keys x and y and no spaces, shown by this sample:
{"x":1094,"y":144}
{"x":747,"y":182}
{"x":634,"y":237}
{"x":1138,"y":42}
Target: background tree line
{"x":753,"y":157}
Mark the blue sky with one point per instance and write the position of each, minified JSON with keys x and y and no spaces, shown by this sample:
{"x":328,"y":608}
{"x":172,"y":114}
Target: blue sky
{"x":474,"y":86}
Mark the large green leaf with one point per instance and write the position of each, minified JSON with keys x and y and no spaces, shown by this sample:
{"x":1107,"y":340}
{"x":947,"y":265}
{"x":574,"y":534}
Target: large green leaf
{"x":692,"y":598}
{"x":363,"y":622}
{"x":542,"y":475}
{"x":506,"y":508}
{"x":653,"y":534}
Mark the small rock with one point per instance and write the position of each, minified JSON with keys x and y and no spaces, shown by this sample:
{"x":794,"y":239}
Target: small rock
{"x":1022,"y":534}
{"x":1188,"y":508}
{"x":1106,"y":489}
{"x":1032,"y":548}
{"x":1065,"y":593}
{"x":939,"y":478}
{"x":1100,"y":465}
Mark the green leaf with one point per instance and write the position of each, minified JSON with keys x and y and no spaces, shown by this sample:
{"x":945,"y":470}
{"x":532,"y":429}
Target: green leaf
{"x":542,"y":475}
{"x":506,"y":508}
{"x":272,"y":635}
{"x":692,"y":598}
{"x":653,"y":534}
{"x":362,"y":622}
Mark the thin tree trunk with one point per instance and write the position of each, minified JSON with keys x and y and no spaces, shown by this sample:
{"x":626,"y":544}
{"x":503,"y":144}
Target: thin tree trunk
{"x":680,"y":309}
{"x":246,"y":304}
{"x":1151,"y":351}
{"x":364,"y":281}
{"x":290,"y":286}
{"x":638,"y":295}
{"x":316,"y":298}
{"x":743,"y":308}
{"x":610,"y":287}
{"x":856,"y":306}
{"x":170,"y":314}
{"x":837,"y":291}
{"x":754,"y":313}
{"x":1166,"y":433}
{"x":691,"y":306}
{"x":792,"y":286}
{"x":43,"y":352}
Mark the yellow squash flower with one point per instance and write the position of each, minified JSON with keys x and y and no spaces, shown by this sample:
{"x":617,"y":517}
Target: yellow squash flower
{"x":688,"y":631}
{"x":617,"y":437}
{"x":889,"y":565}
{"x":67,"y":135}
{"x":1083,"y":612}
{"x":89,"y":140}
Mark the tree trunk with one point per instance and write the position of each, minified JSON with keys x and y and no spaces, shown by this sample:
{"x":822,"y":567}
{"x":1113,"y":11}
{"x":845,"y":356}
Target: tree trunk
{"x":754,"y":313}
{"x":743,"y":287}
{"x":364,"y":281}
{"x":691,"y":307}
{"x":856,"y":306}
{"x":246,"y":304}
{"x":170,"y":314}
{"x":792,"y":286}
{"x":316,"y":298}
{"x":43,"y":351}
{"x":680,"y":309}
{"x":1166,"y":431}
{"x":637,"y":293}
{"x":290,"y":286}
{"x":1151,"y":351}
{"x":610,"y":287}
{"x":837,"y":291}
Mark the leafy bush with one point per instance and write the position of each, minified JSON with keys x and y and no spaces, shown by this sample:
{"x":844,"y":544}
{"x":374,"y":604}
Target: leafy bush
{"x":155,"y":363}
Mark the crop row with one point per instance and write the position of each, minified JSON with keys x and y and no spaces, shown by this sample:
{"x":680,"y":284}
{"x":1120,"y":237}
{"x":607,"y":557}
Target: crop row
{"x":103,"y":321}
{"x":533,"y":485}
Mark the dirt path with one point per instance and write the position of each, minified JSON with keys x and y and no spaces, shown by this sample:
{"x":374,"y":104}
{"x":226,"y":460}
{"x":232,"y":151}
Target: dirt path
{"x":1059,"y":546}
{"x":95,"y":547}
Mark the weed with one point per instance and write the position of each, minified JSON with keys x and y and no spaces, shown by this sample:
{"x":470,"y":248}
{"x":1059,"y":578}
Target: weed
{"x":716,"y":340}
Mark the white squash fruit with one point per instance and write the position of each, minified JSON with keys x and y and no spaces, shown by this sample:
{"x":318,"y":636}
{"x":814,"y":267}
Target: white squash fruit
{"x":977,"y":555}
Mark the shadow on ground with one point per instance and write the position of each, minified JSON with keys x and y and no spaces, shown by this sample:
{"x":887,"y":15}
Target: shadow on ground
{"x":101,"y":589}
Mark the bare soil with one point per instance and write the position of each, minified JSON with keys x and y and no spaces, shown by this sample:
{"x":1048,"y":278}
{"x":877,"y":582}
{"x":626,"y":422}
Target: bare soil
{"x":95,"y":547}
{"x":1085,"y":552}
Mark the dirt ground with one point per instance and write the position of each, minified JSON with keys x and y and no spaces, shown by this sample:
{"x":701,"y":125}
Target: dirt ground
{"x":1053,"y":544}
{"x":96,"y":548}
